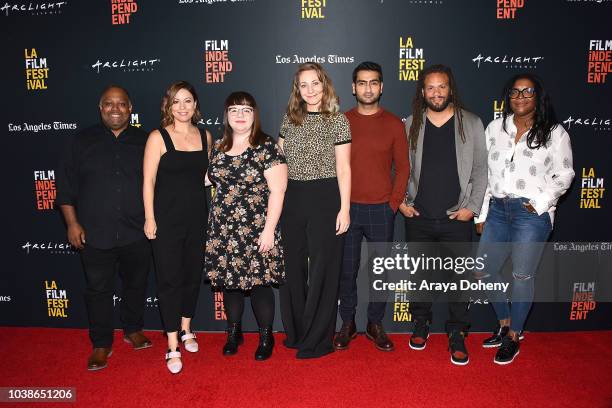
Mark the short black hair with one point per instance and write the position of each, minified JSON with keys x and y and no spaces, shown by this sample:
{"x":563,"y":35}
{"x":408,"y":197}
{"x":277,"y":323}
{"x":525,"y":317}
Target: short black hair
{"x":368,"y":66}
{"x":111,"y":86}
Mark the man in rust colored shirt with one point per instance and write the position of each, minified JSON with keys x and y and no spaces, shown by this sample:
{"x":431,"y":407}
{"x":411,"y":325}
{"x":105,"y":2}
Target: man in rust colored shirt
{"x":379,"y":145}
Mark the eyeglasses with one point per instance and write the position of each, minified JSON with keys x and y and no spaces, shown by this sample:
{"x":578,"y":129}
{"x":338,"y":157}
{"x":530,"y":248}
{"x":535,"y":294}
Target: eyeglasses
{"x":235,"y":110}
{"x":527,"y":93}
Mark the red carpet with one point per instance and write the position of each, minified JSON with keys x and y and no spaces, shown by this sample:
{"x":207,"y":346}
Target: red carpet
{"x":552,"y":370}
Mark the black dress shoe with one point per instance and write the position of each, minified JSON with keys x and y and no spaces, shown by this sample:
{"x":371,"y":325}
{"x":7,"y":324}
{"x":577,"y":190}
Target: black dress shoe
{"x":266,"y":344}
{"x":347,"y":332}
{"x":234,"y":339}
{"x":376,"y":333}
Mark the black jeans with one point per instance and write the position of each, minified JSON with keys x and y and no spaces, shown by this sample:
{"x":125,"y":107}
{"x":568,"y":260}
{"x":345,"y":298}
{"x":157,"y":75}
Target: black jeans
{"x":441,"y":232}
{"x":133,"y":262}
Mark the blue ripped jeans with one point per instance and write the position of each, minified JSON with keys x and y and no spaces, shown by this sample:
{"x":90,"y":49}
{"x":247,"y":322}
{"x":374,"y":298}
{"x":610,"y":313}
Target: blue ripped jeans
{"x":511,"y":230}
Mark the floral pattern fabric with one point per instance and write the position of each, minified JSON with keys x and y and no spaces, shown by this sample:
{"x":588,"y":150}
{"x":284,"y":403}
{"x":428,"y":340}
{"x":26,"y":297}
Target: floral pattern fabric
{"x":237,"y":219}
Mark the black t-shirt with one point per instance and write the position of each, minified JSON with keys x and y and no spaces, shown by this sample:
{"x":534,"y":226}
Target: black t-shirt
{"x":101,"y":176}
{"x":439,"y":181}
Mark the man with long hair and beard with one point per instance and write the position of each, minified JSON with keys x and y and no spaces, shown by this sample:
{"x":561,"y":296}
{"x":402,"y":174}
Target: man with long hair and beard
{"x":445,"y":190}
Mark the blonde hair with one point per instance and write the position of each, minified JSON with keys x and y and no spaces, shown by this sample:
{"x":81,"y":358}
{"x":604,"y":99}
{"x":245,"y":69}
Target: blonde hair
{"x":296,"y":107}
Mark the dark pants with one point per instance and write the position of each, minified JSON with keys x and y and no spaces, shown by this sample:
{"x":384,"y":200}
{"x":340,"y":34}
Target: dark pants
{"x":179,"y":261}
{"x":440,"y":231}
{"x":375,"y":223}
{"x":133,"y":262}
{"x":313,"y":257}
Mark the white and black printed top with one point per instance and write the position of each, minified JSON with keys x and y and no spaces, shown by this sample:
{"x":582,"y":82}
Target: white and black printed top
{"x":541,"y":175}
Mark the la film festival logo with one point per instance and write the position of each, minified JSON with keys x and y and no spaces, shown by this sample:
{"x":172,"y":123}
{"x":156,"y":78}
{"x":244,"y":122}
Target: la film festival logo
{"x":506,"y":9}
{"x":312,"y":9}
{"x":126,"y":65}
{"x":44,"y":188}
{"x":36,"y":71}
{"x":57,"y":300}
{"x":583,"y":300}
{"x":592,"y":189}
{"x":121,"y":11}
{"x":411,"y":60}
{"x":216,"y":61}
{"x":508,"y":61}
{"x":401,"y":307}
{"x":600,"y":61}
{"x":498,"y":109}
{"x":34,"y":9}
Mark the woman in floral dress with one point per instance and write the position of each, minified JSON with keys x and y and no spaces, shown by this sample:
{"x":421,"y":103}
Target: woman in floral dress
{"x":244,"y":254}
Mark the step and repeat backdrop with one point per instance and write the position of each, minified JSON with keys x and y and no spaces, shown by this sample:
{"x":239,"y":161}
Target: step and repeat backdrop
{"x":59,"y":55}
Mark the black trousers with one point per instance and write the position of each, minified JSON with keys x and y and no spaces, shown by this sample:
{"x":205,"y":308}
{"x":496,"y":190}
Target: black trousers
{"x":313,"y":257}
{"x":440,"y":231}
{"x":133,"y":262}
{"x":179,"y":261}
{"x":375,"y":223}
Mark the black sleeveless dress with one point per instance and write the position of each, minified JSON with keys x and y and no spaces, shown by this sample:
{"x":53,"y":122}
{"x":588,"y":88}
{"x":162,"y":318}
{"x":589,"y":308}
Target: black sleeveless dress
{"x":181,"y":215}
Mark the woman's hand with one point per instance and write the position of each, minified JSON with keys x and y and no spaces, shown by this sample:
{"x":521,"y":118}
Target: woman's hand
{"x":150,"y":228}
{"x":343,"y":221}
{"x":266,"y":241}
{"x":480,"y":228}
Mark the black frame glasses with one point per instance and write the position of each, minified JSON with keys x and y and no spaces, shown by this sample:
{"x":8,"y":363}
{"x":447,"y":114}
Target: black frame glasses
{"x":514,"y":93}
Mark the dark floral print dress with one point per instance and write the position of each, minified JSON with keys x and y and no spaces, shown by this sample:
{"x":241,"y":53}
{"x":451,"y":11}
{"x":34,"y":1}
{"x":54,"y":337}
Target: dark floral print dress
{"x":237,"y":219}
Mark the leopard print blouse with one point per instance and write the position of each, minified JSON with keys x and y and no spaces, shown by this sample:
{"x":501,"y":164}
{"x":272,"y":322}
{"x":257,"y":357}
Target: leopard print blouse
{"x":310,"y":148}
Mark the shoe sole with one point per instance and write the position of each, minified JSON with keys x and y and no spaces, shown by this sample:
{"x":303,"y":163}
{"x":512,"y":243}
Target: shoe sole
{"x":521,"y":338}
{"x":353,"y":337}
{"x":138,"y":348}
{"x":419,"y":348}
{"x":376,"y":345}
{"x":101,"y":367}
{"x":506,"y":362}
{"x":459,"y":363}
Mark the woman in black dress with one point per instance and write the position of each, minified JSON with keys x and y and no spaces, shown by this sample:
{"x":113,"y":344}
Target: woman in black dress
{"x":243,"y":249}
{"x":175,"y":163}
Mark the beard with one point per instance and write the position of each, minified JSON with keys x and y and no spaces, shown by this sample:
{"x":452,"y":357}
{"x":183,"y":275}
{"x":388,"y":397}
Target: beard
{"x":441,"y":107}
{"x":366,"y":101}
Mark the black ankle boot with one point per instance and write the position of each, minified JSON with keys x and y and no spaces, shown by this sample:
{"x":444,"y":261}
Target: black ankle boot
{"x":266,"y":344}
{"x":234,"y":339}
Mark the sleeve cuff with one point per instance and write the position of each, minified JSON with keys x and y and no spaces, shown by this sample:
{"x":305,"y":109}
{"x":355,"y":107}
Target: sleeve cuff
{"x":540,"y":203}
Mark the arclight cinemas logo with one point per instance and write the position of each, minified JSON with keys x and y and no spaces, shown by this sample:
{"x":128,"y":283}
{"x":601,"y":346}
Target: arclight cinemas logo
{"x":508,"y":61}
{"x":48,"y":247}
{"x":126,"y":65}
{"x":33,"y":8}
{"x":597,"y":124}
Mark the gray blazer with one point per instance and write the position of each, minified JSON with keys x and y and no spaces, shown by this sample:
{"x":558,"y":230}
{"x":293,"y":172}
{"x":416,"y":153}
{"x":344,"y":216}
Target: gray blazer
{"x":471,"y":163}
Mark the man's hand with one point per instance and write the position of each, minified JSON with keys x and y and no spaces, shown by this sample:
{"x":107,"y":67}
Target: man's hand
{"x":76,"y":235}
{"x":408,"y":211}
{"x":462,"y":214}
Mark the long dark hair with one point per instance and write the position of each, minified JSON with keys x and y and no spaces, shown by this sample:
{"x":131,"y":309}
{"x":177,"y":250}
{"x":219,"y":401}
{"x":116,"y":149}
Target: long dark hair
{"x":257,"y":137}
{"x":544,"y":120}
{"x":419,"y":106}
